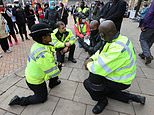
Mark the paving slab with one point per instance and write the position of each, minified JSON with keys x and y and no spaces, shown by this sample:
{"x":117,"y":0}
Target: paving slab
{"x":149,"y":72}
{"x":21,"y":72}
{"x":120,"y":107}
{"x":22,"y":83}
{"x":8,"y":81}
{"x":140,"y":73}
{"x":68,"y":107}
{"x":105,"y":112}
{"x":14,"y":109}
{"x":79,"y":75}
{"x":146,"y":85}
{"x":65,"y":90}
{"x":83,"y":96}
{"x":147,"y":109}
{"x":8,"y":113}
{"x":2,"y":112}
{"x":65,"y":73}
{"x":134,"y":87}
{"x":46,"y":108}
{"x":79,"y":64}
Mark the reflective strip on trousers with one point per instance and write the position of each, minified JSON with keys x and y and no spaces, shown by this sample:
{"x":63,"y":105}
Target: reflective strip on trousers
{"x":129,"y":52}
{"x":102,"y":64}
{"x":50,"y":70}
{"x":54,"y":43}
{"x":36,"y":51}
{"x":119,"y":78}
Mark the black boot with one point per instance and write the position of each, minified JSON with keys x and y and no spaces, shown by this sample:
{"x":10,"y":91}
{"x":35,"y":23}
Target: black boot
{"x":142,"y":56}
{"x":148,"y":59}
{"x":54,"y":82}
{"x":100,"y":106}
{"x":137,"y":98}
{"x":15,"y":101}
{"x":72,"y":60}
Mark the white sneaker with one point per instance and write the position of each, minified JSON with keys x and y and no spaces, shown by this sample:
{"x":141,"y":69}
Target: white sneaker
{"x":8,"y":51}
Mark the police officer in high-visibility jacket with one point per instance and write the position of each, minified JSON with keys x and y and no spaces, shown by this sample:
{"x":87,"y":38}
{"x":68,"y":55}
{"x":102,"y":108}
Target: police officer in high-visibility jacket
{"x":112,"y":69}
{"x":41,"y":66}
{"x":63,"y":41}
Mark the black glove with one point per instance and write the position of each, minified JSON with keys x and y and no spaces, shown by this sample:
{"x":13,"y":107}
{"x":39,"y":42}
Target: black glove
{"x":81,"y":40}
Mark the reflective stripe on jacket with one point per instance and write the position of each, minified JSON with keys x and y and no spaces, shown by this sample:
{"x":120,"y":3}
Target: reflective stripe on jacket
{"x":67,"y":37}
{"x":116,"y":62}
{"x":41,"y":64}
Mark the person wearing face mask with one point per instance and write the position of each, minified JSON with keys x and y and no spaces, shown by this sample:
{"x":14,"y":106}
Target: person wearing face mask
{"x":19,"y":13}
{"x":51,"y":15}
{"x":95,"y":39}
{"x":82,"y":28}
{"x":112,"y":69}
{"x":83,"y":9}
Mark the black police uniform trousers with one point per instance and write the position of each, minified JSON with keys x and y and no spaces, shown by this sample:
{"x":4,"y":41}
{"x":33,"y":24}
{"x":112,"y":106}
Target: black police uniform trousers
{"x":4,"y":44}
{"x":60,"y":57}
{"x":40,"y":93}
{"x":100,"y":88}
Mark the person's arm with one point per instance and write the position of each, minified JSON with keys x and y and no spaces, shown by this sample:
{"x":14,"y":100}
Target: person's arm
{"x":56,"y":42}
{"x":77,"y":32}
{"x":104,"y":61}
{"x":149,"y":15}
{"x":72,"y":38}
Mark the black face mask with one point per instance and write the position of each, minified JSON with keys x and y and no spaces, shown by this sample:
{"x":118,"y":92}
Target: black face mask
{"x":93,"y":32}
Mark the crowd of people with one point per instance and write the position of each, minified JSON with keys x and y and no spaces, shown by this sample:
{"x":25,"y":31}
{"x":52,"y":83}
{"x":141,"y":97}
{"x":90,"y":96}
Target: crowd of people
{"x":111,"y":62}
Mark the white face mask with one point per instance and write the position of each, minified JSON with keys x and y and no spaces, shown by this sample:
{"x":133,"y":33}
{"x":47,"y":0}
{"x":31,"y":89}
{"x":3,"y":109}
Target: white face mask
{"x":83,"y":20}
{"x":17,"y":5}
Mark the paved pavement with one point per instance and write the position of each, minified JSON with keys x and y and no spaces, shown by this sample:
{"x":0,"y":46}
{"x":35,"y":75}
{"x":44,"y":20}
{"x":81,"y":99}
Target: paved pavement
{"x":70,"y":97}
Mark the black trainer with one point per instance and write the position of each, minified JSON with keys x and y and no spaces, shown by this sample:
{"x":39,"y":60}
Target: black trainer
{"x":142,"y":56}
{"x":72,"y":60}
{"x":100,"y":106}
{"x":148,"y":60}
{"x":15,"y":100}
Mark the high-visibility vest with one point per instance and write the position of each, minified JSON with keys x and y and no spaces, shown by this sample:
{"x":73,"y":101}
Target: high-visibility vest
{"x":116,"y":62}
{"x":41,"y":65}
{"x":67,"y":37}
{"x":83,"y":29}
{"x":82,"y":10}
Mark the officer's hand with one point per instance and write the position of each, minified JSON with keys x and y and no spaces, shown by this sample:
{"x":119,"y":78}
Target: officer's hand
{"x":86,"y":62}
{"x":67,"y":44}
{"x":81,"y":40}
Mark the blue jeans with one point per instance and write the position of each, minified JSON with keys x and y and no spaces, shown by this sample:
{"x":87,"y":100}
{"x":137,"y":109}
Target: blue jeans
{"x":146,"y":41}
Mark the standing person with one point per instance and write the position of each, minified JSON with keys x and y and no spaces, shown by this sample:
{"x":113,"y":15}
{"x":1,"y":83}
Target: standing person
{"x":7,"y":15}
{"x":3,"y":33}
{"x":63,"y":14}
{"x":114,"y":10}
{"x":9,"y":12}
{"x":52,"y":15}
{"x":64,"y":41}
{"x":147,"y":35}
{"x":97,"y":9}
{"x":112,"y":69}
{"x":39,"y":12}
{"x":46,"y":6}
{"x":82,"y":28}
{"x":29,"y":16}
{"x":41,"y":66}
{"x":96,"y":42}
{"x":19,"y":13}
